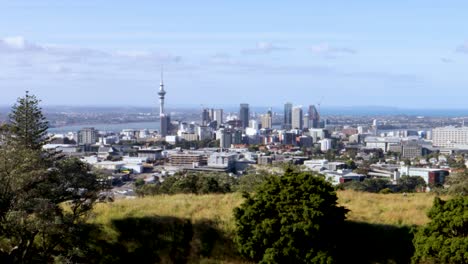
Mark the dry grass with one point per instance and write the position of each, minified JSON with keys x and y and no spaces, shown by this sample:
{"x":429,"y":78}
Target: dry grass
{"x":217,"y":207}
{"x":392,"y":209}
{"x":388,"y":209}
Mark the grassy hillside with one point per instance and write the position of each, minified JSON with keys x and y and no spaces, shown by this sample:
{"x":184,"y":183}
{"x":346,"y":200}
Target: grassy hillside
{"x":390,"y":209}
{"x":373,"y":219}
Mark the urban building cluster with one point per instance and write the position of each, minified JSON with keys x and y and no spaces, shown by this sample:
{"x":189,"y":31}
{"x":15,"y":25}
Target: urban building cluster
{"x":234,"y":141}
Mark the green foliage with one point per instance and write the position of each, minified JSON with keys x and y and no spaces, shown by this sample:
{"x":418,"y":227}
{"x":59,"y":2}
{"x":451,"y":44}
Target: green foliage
{"x":251,"y":181}
{"x":291,"y":219}
{"x":44,"y":198}
{"x":350,"y":164}
{"x":445,"y":238}
{"x":139,"y":183}
{"x":410,"y":183}
{"x":373,"y":185}
{"x":458,"y":183}
{"x":27,"y":123}
{"x":456,"y":163}
{"x":196,"y":183}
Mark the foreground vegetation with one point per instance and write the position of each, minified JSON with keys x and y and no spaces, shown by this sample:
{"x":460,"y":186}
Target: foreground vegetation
{"x":390,"y":209}
{"x":48,"y":214}
{"x":388,"y":216}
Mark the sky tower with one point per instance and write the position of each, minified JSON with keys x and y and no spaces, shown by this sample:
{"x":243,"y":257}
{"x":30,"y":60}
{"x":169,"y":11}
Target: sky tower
{"x":164,"y":119}
{"x":161,"y":94}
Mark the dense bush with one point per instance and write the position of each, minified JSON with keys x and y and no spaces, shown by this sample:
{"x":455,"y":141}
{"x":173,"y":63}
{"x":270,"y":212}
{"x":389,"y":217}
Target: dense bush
{"x":196,"y":183}
{"x":290,"y":219}
{"x":410,"y":183}
{"x":458,"y":183}
{"x":368,"y":185}
{"x":445,"y":238}
{"x":376,"y":185}
{"x":251,"y":181}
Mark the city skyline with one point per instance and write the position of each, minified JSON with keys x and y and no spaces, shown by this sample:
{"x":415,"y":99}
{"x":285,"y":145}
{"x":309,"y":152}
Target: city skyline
{"x":310,"y":55}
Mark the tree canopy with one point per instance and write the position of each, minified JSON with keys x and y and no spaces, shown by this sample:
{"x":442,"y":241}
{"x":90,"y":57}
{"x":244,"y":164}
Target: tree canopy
{"x":445,"y":238}
{"x":43,"y":199}
{"x":290,"y":219}
{"x":27,"y":123}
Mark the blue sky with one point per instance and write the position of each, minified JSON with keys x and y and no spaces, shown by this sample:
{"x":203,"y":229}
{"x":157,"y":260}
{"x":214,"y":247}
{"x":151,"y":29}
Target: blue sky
{"x":411,"y":54}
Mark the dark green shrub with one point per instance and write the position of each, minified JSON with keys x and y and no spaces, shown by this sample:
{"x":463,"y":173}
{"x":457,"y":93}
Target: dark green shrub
{"x":445,"y":238}
{"x":291,"y":219}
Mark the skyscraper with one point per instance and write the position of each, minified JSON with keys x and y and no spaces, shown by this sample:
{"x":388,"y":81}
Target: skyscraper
{"x":244,"y":115}
{"x":287,"y":124}
{"x":296,"y":120}
{"x":217,"y":116}
{"x":267,"y":119}
{"x":314,"y":117}
{"x":205,"y":116}
{"x":164,"y":119}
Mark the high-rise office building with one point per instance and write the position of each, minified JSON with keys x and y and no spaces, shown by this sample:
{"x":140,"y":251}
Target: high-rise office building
{"x":225,"y":138}
{"x":244,"y":115}
{"x":206,"y":116}
{"x":314,"y":117}
{"x":87,"y":136}
{"x":164,"y":119}
{"x":306,"y":122}
{"x":267,"y":119}
{"x":287,"y":124}
{"x":296,"y":121}
{"x":217,"y":115}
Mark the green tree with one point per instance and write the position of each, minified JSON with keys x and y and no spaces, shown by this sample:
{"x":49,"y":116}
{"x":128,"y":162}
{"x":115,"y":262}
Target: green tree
{"x":290,"y":219}
{"x":410,"y":183}
{"x":458,"y":183}
{"x":251,"y":181}
{"x":445,"y":238}
{"x":27,"y":123}
{"x":44,"y":199}
{"x":368,"y":185}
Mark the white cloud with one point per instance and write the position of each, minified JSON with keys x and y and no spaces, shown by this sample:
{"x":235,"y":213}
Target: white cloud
{"x":264,"y":47}
{"x":463,"y":48}
{"x":325,"y":49}
{"x":446,"y":60}
{"x":27,"y":58}
{"x":18,"y":44}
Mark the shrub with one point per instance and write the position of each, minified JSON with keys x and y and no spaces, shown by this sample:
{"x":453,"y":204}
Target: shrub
{"x":445,"y":238}
{"x":368,"y":185}
{"x":291,"y":219}
{"x":410,"y":183}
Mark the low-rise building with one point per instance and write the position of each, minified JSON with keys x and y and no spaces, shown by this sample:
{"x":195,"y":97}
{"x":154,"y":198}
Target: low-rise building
{"x":222,"y":160}
{"x":430,"y":176}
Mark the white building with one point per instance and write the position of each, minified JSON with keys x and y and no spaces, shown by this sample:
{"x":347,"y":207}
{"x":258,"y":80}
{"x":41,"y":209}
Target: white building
{"x":297,"y":117}
{"x":382,"y":143}
{"x":450,"y":137}
{"x":222,"y":160}
{"x":317,"y":133}
{"x":87,"y":136}
{"x":325,"y":144}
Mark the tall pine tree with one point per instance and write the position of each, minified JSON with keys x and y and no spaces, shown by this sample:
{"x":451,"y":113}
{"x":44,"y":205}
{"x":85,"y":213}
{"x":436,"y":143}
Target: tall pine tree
{"x":35,"y":227}
{"x":27,"y":123}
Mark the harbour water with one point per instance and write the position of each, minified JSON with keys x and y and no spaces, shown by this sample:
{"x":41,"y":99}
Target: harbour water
{"x":107,"y":127}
